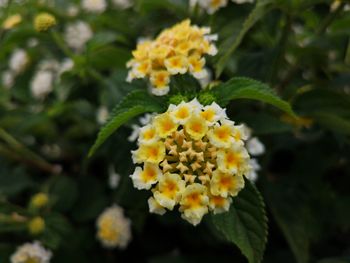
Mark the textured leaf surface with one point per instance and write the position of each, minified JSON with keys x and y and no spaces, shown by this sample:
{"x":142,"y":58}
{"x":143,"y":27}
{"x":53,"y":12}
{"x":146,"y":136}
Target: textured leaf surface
{"x":245,"y":224}
{"x":136,"y":103}
{"x":245,"y":88}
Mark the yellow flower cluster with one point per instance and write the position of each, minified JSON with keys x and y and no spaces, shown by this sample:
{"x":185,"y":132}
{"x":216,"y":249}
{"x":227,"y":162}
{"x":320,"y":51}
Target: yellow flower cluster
{"x":44,"y":21}
{"x":192,"y":156}
{"x":12,"y":21}
{"x":113,"y":228}
{"x":177,"y":50}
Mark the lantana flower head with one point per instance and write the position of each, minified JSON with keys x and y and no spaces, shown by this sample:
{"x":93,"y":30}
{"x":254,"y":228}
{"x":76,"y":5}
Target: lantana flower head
{"x":31,"y":252}
{"x":191,"y":157}
{"x":113,"y":228}
{"x":177,"y":50}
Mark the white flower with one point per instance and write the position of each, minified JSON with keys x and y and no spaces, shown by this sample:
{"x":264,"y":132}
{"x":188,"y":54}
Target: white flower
{"x":208,"y":77}
{"x":31,"y":252}
{"x":255,"y":147}
{"x":42,"y":84}
{"x":123,"y":4}
{"x":135,"y":133}
{"x":113,"y":179}
{"x":76,"y":35}
{"x":32,"y":42}
{"x":18,"y":61}
{"x":146,"y":119}
{"x":94,"y":6}
{"x":102,"y":115}
{"x":252,"y":174}
{"x":8,"y":79}
{"x":113,"y":228}
{"x":49,"y":65}
{"x":242,"y":1}
{"x":66,"y":65}
{"x":3,"y":3}
{"x":72,"y":10}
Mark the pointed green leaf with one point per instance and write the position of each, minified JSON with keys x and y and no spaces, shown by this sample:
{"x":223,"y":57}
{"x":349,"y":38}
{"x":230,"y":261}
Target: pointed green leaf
{"x":245,"y":224}
{"x":135,"y":103}
{"x":245,"y":88}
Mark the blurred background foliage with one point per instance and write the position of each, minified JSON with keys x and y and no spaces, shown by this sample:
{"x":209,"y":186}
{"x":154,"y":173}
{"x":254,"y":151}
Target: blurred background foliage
{"x":301,"y":48}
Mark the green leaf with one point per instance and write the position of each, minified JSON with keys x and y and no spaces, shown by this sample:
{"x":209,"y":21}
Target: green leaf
{"x":335,"y":260}
{"x":245,"y":224}
{"x":135,"y":103}
{"x":289,"y":208}
{"x":261,"y":8}
{"x":245,"y":88}
{"x":327,"y":107}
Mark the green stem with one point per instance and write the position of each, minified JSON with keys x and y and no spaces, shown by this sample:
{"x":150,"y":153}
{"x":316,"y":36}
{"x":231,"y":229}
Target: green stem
{"x":281,"y":48}
{"x":329,"y":19}
{"x":17,"y":151}
{"x":61,"y":44}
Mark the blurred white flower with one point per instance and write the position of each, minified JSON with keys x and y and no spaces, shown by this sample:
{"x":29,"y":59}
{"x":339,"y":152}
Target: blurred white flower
{"x":146,"y":119}
{"x":76,"y":35}
{"x":3,"y":3}
{"x":255,"y":146}
{"x":113,"y":228}
{"x":72,"y":10}
{"x":94,"y":6}
{"x":18,"y":61}
{"x":31,"y":252}
{"x":208,"y":77}
{"x":252,"y":174}
{"x":113,"y":179}
{"x":49,"y":64}
{"x":8,"y":79}
{"x":32,"y":42}
{"x":102,"y":115}
{"x":135,"y":133}
{"x":242,"y":1}
{"x":42,"y":84}
{"x":123,"y":4}
{"x":66,"y":65}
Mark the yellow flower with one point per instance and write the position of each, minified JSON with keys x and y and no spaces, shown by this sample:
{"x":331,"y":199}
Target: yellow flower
{"x":148,"y":135}
{"x":195,"y":160}
{"x":44,"y":21}
{"x":219,"y":204}
{"x":225,"y":184}
{"x":152,"y":153}
{"x":233,"y":160}
{"x":194,"y":203}
{"x":39,"y":200}
{"x":36,"y":225}
{"x":180,"y":113}
{"x":222,"y":135}
{"x":177,"y":50}
{"x":160,"y":82}
{"x":155,"y":207}
{"x":144,"y":179}
{"x":169,"y":190}
{"x":12,"y":21}
{"x":196,"y":127}
{"x":164,"y":125}
{"x":113,"y":228}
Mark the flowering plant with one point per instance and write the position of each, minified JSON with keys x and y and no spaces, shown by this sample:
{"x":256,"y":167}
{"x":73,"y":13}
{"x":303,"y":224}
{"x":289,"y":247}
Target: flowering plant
{"x":174,"y":130}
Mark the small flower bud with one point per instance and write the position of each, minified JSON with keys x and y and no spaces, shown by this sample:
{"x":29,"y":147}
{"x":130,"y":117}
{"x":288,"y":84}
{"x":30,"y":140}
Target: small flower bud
{"x":36,"y":225}
{"x":39,"y":200}
{"x":206,"y":98}
{"x":177,"y":99}
{"x":44,"y":21}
